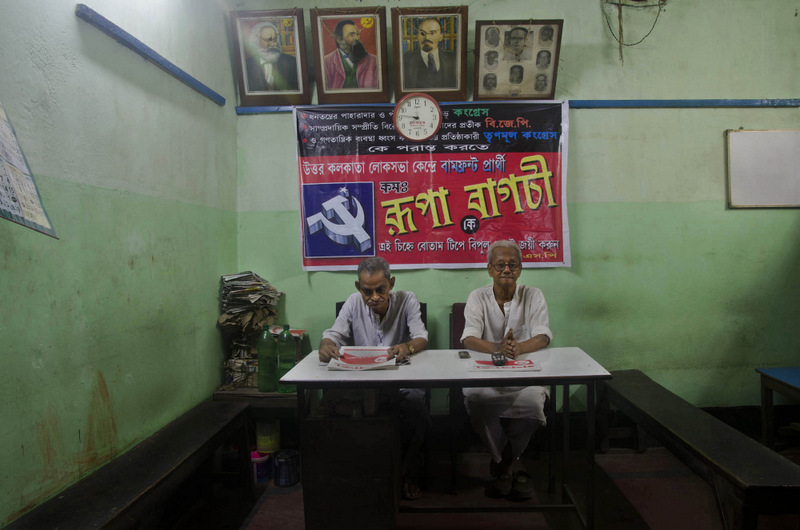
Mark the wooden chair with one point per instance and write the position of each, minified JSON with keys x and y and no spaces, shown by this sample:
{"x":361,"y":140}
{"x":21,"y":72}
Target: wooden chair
{"x":457,"y":322}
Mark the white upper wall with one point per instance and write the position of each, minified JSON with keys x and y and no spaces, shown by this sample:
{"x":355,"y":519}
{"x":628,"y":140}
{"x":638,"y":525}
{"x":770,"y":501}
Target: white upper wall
{"x":90,"y":110}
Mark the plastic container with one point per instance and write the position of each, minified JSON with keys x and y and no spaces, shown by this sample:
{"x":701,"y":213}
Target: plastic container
{"x":268,"y":436}
{"x":262,"y":466}
{"x":287,"y":356}
{"x":267,"y":361}
{"x":287,"y":468}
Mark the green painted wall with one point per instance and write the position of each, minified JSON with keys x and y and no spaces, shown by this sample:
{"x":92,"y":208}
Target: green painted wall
{"x":155,"y":191}
{"x":108,"y":333}
{"x":664,"y":277}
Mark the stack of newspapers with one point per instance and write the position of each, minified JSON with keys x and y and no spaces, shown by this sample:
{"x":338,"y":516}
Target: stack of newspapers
{"x":248,"y":303}
{"x":247,"y":291}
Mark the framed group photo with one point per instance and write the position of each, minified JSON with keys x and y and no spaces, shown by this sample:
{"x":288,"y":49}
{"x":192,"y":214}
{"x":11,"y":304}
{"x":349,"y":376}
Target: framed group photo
{"x":516,"y":58}
{"x":430,"y":51}
{"x":270,"y":57}
{"x":350,"y":55}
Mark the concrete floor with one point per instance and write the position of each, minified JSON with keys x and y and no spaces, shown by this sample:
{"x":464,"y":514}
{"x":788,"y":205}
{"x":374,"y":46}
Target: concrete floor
{"x":632,"y":491}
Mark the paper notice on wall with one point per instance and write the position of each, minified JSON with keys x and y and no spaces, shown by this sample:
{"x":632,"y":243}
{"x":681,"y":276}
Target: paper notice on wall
{"x":19,"y":197}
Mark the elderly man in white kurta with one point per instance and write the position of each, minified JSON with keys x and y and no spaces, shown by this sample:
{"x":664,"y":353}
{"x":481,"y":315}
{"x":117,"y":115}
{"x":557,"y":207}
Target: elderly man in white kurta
{"x":512,"y":319}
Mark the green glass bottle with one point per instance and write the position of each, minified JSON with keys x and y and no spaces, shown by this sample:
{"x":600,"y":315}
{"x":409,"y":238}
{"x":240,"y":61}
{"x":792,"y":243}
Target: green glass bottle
{"x":267,"y":361}
{"x":286,"y":357}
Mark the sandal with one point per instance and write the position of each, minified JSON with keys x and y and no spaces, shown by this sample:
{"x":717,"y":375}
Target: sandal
{"x":522,"y":489}
{"x":410,"y":491}
{"x":499,"y":487}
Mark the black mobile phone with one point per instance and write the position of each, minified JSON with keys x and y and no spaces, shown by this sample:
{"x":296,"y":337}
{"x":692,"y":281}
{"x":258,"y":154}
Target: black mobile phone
{"x":498,"y":359}
{"x":463,"y":354}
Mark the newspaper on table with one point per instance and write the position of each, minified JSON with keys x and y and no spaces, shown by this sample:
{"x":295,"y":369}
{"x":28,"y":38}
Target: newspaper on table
{"x":512,"y":365}
{"x":362,"y":358}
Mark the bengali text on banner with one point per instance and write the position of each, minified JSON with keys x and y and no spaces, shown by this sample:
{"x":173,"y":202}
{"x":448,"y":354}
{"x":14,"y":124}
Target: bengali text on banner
{"x":495,"y":170}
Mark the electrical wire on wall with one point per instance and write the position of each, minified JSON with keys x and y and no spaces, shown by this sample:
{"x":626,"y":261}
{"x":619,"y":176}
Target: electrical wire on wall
{"x":636,"y":4}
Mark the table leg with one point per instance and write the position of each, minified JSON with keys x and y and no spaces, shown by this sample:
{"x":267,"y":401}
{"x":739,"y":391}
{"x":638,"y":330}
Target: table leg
{"x":301,"y":404}
{"x":603,"y":410}
{"x":453,"y":405}
{"x":551,"y":413}
{"x":565,"y":439}
{"x":245,"y":465}
{"x":767,"y":414}
{"x":590,"y":429}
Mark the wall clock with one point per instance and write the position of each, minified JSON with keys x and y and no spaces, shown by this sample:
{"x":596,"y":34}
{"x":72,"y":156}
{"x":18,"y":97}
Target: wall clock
{"x":417,"y":117}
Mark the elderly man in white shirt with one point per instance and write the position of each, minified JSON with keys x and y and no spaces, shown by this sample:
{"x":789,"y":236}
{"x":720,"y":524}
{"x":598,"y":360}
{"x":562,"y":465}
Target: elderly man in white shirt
{"x":511,"y":319}
{"x":378,"y":316}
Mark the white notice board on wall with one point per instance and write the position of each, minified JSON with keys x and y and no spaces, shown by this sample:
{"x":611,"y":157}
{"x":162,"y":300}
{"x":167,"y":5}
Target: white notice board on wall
{"x":764,"y":168}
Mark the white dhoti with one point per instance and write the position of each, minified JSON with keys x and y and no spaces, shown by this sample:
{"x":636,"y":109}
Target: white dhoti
{"x":506,"y":416}
{"x":522,"y":407}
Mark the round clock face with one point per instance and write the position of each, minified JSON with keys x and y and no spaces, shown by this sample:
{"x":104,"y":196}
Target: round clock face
{"x":417,"y":117}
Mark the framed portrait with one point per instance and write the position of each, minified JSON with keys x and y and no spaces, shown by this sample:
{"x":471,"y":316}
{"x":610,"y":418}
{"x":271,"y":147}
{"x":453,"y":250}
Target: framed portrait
{"x":516,"y":58}
{"x":430,"y":51}
{"x":350,"y":55}
{"x":270,"y":57}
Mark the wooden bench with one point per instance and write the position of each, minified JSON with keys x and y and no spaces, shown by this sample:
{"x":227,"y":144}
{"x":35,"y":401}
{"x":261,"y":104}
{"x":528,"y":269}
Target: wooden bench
{"x":748,"y":478}
{"x":132,"y":490}
{"x":783,"y":380}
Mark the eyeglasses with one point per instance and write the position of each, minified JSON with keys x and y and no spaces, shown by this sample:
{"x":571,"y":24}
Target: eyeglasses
{"x":500,"y":267}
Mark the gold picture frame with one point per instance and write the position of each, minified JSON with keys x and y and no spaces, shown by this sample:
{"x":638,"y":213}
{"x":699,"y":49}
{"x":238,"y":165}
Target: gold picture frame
{"x":440,"y":34}
{"x":334,"y":32}
{"x":270,"y":57}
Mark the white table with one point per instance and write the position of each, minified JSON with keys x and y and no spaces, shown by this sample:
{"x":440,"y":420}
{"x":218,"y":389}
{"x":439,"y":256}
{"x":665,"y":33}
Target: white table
{"x":443,"y":368}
